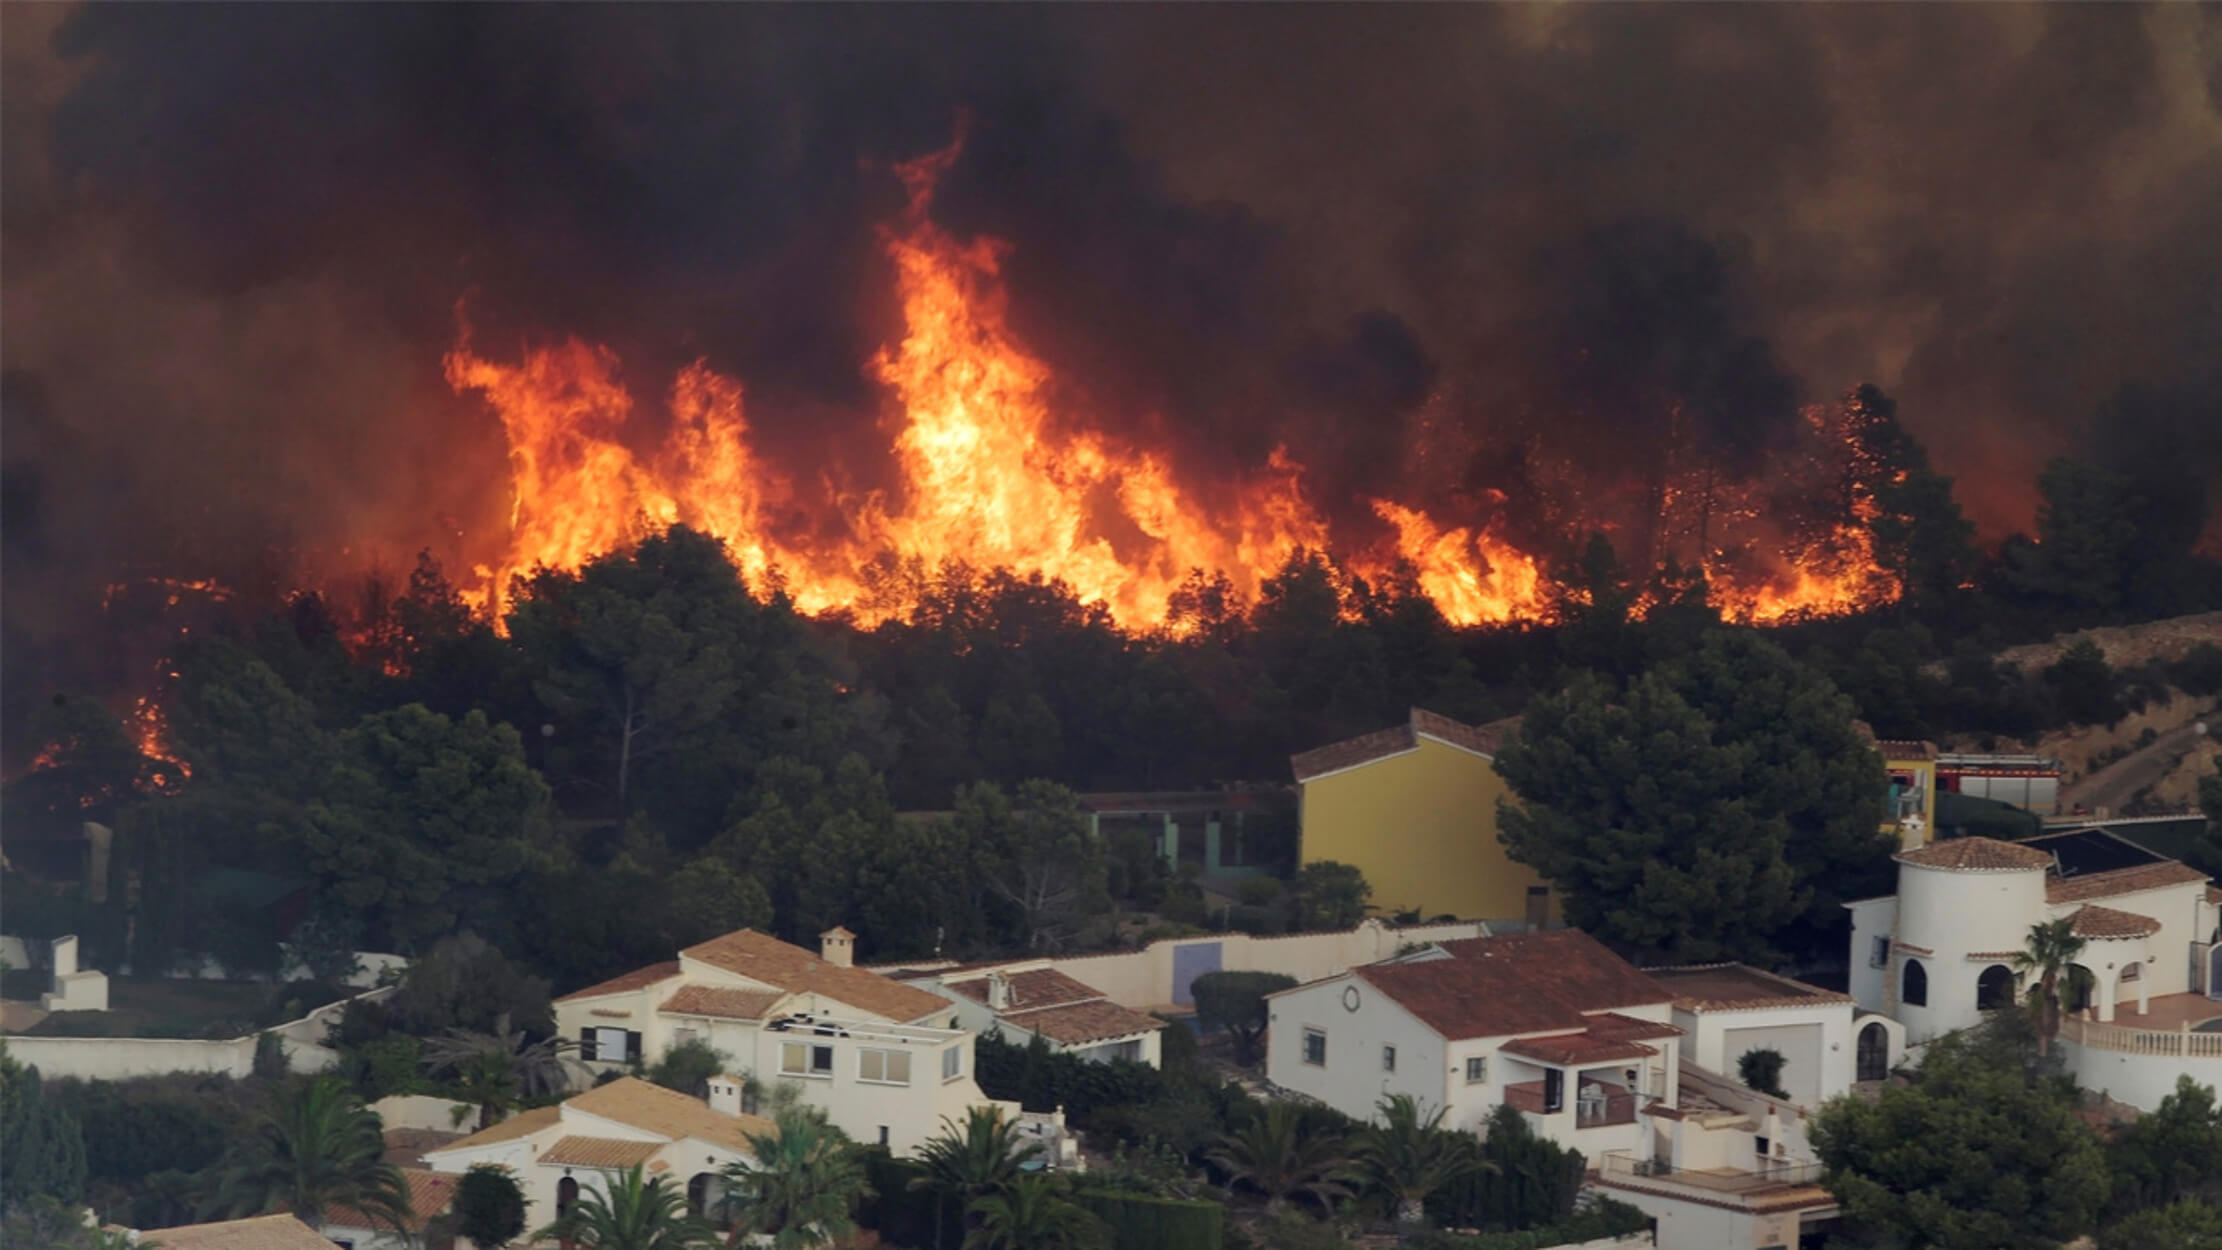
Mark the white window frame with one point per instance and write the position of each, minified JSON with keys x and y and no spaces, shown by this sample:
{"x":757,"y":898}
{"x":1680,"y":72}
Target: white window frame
{"x":808,"y":1069}
{"x":867,"y":1057}
{"x":952,"y":1063}
{"x":1477,"y":1069}
{"x":1388,"y":1058}
{"x":1309,"y":1034}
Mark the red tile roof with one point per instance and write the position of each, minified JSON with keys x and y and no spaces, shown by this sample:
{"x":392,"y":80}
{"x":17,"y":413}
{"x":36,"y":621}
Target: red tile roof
{"x":723,"y":1002}
{"x":2120,"y":881}
{"x":1515,"y":983}
{"x":638,"y":978}
{"x":1076,"y":1024}
{"x":1031,"y":989}
{"x":1977,"y":854}
{"x":1738,"y":987}
{"x":1383,"y":743}
{"x":429,"y":1194}
{"x":1568,"y":1048}
{"x":2092,"y":921}
{"x":763,"y":958}
{"x":1614,"y":1027}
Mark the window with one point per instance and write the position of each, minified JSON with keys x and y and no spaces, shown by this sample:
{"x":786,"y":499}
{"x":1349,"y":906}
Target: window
{"x":680,"y":1037}
{"x":1539,"y":906}
{"x":1878,"y":955}
{"x":1315,"y":1047}
{"x":952,"y":1063}
{"x":1477,"y":1070}
{"x":883,"y":1134}
{"x":1760,"y":1147}
{"x":1914,"y":985}
{"x":1388,"y":1058}
{"x":609,"y":1045}
{"x":804,"y":1059}
{"x":1994,"y":988}
{"x":2133,"y":972}
{"x":1554,"y":1091}
{"x":883,"y":1067}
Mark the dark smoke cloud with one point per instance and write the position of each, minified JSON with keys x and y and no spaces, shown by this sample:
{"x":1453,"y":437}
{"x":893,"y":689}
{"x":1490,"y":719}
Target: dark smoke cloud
{"x":1437,"y":251}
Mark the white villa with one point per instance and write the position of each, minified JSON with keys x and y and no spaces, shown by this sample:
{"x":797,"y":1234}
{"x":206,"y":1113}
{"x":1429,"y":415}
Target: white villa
{"x":1939,"y":953}
{"x":557,"y":1151}
{"x":886,"y":1061}
{"x":1019,"y":1002}
{"x":1597,"y":1056}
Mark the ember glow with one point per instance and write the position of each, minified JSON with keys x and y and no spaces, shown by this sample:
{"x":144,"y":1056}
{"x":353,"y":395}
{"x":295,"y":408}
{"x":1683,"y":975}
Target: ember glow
{"x":991,"y":476}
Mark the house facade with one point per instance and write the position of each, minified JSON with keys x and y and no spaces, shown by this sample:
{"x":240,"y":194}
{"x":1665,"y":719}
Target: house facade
{"x":1728,"y":1010}
{"x":559,"y":1152}
{"x":1414,"y":807}
{"x":1022,"y":1001}
{"x":1551,"y":1023}
{"x":886,"y":1061}
{"x":1939,"y":954}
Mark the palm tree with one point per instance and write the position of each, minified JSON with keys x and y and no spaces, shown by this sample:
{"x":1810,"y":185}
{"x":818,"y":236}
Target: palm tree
{"x":1273,"y":1155}
{"x":968,"y":1163}
{"x":495,"y":1069}
{"x":319,"y":1149}
{"x":1409,"y":1156}
{"x":2052,"y":950}
{"x":1033,"y":1214}
{"x":800,"y":1184}
{"x":633,"y":1214}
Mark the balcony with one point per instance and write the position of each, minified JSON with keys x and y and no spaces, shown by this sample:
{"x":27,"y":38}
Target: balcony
{"x":1775,"y":1186}
{"x":1601,"y":1107}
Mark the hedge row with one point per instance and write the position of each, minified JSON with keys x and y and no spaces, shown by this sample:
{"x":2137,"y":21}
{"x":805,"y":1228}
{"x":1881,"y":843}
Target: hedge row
{"x":1144,"y":1222}
{"x":1608,"y":1218}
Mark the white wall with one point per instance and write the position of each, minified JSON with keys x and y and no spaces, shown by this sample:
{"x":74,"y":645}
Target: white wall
{"x":118,"y":1058}
{"x":1687,"y":1225}
{"x":1817,"y":1043}
{"x":2166,"y":955}
{"x":1955,"y":914}
{"x":423,"y":1111}
{"x":1352,"y":1080}
{"x":1871,"y":918}
{"x":2139,"y":1080}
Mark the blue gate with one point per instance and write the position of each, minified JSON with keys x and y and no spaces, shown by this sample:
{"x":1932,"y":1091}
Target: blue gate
{"x":1190,"y":962}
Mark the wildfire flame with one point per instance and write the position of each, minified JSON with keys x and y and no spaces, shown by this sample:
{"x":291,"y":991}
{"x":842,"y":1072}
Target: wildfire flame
{"x":989,"y":475}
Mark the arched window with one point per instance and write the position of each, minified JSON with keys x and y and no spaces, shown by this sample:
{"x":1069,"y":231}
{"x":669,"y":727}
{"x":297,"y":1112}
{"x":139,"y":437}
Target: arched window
{"x":567,"y":1192}
{"x":1873,"y":1053}
{"x":1995,"y":988}
{"x":698,"y":1193}
{"x":1913,"y":987}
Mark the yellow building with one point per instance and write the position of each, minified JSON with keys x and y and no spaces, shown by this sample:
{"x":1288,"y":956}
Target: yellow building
{"x":1415,"y":809}
{"x":1911,"y":813}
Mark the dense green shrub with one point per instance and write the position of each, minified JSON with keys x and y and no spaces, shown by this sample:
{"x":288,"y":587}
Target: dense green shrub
{"x":1142,"y":1222}
{"x":1534,"y":1181}
{"x":1044,"y":1081}
{"x":904,"y":1216}
{"x":1607,"y":1218}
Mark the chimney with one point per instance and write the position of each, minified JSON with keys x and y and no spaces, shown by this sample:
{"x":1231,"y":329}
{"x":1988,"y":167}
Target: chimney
{"x":999,"y":992}
{"x":837,"y":946}
{"x":725,"y":1094}
{"x":65,"y":958}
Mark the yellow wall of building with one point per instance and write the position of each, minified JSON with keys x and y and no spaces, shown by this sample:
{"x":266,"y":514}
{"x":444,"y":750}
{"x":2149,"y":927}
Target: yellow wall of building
{"x":1919,"y":834}
{"x":1422,"y":827}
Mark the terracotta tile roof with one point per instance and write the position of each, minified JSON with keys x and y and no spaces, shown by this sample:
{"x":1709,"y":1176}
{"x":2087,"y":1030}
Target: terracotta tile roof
{"x":405,"y":1147}
{"x":1382,"y":743}
{"x":522,"y":1124}
{"x":763,"y":958}
{"x":1738,"y":987}
{"x":263,"y":1232}
{"x":723,"y":1002}
{"x":1977,"y":854}
{"x":638,"y":978}
{"x":429,"y":1194}
{"x":1514,"y":983}
{"x":1614,"y":1027}
{"x":600,"y":1152}
{"x":1032,"y":989}
{"x":1905,"y":749}
{"x":2214,"y":894}
{"x":667,"y":1113}
{"x":2092,"y":921}
{"x":1576,"y":1048}
{"x":1076,"y":1024}
{"x":2120,"y":881}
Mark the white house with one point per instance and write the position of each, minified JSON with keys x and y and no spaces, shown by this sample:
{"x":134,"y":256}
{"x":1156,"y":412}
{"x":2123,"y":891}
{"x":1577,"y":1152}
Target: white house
{"x":1939,"y":953}
{"x":557,"y":1151}
{"x":1550,"y":1022}
{"x":1019,"y":1002}
{"x":1728,"y":1010}
{"x":886,"y":1061}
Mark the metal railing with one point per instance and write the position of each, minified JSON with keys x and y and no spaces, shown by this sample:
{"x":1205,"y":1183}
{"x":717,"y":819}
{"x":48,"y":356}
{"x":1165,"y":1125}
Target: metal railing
{"x":1768,"y":1173}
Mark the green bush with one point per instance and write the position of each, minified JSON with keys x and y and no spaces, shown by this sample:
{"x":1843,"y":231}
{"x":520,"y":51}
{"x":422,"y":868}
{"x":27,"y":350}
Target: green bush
{"x":1608,"y":1218}
{"x":1044,"y":1081}
{"x":901,"y":1215}
{"x":1534,"y":1182}
{"x":1141,"y":1222}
